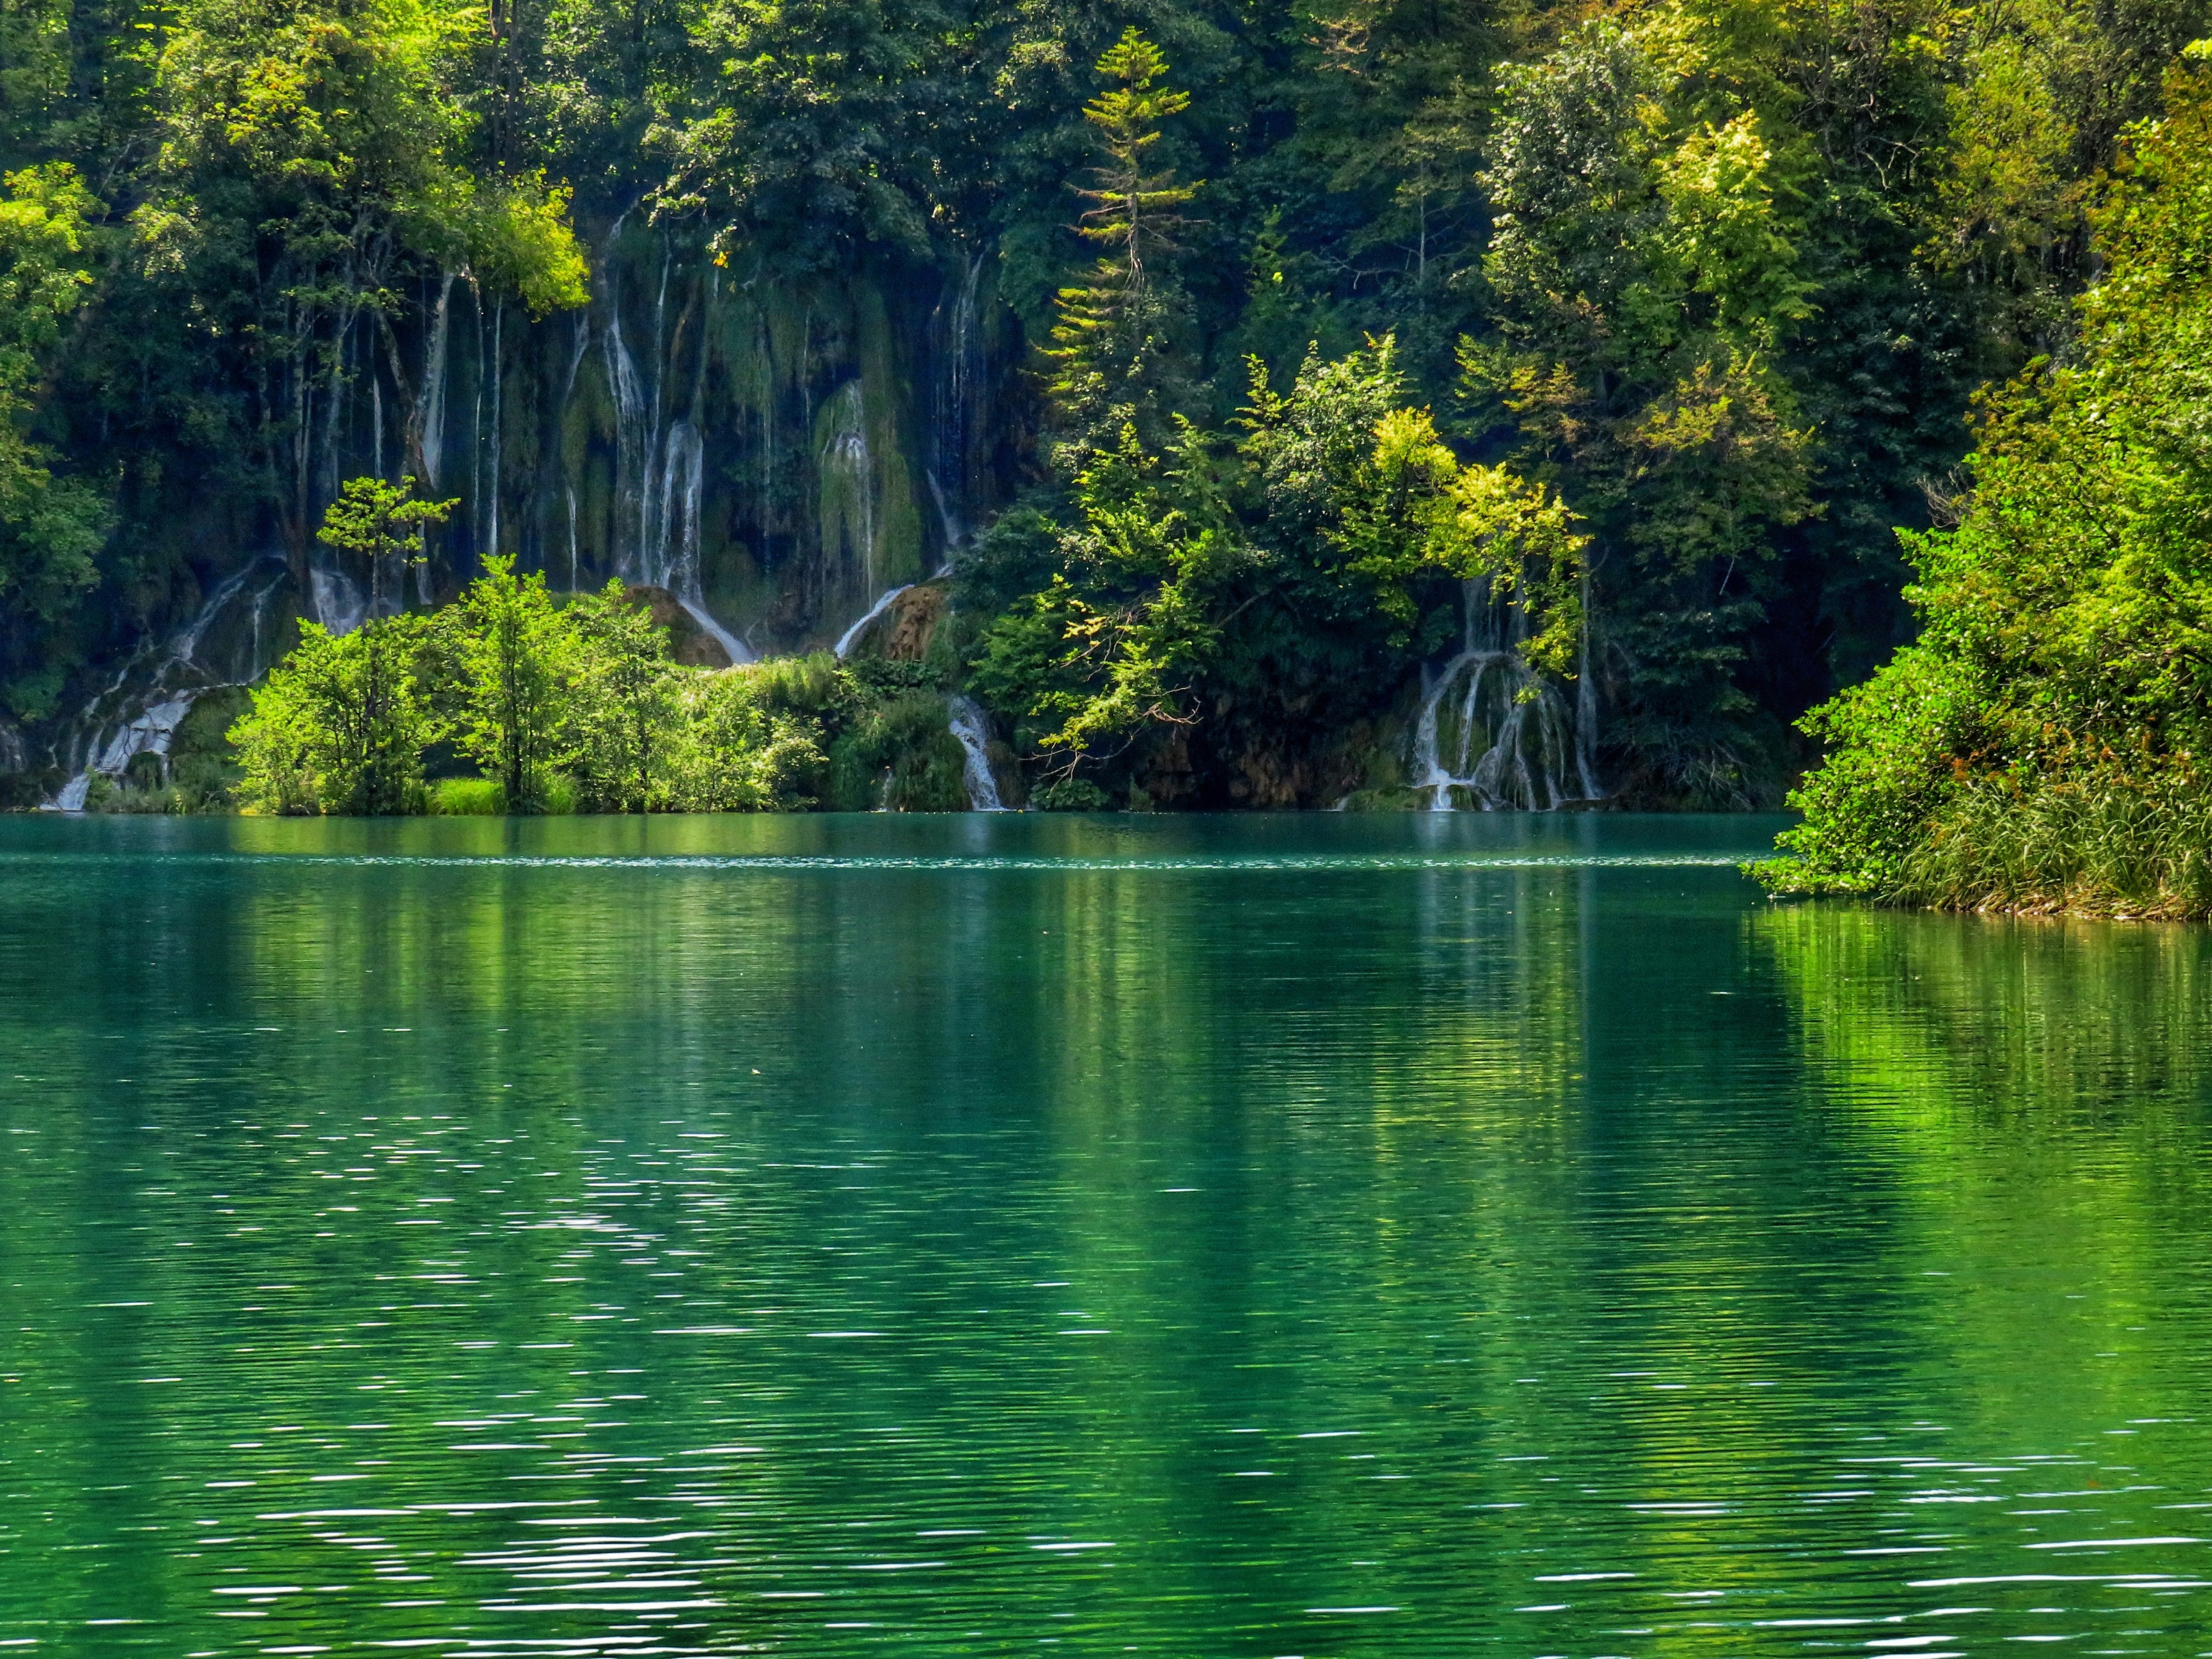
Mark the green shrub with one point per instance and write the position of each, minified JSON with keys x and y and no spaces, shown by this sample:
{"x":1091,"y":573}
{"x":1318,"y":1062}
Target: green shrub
{"x":814,"y":684}
{"x":2037,"y":747}
{"x":1072,"y":795}
{"x":466,"y":797}
{"x":901,"y":756}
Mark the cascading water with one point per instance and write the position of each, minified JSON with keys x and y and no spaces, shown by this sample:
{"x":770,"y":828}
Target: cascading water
{"x":681,"y":429}
{"x":430,"y":407}
{"x":967,"y":722}
{"x":152,"y":723}
{"x":571,"y":538}
{"x":851,"y":636}
{"x":684,"y":475}
{"x":958,"y":381}
{"x":671,"y":560}
{"x":634,"y":446}
{"x":661,"y":478}
{"x":955,"y":532}
{"x":336,"y":599}
{"x":1492,"y":733}
{"x":849,"y":515}
{"x":490,"y":486}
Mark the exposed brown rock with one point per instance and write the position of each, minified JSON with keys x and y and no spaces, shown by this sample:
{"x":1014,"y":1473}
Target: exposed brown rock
{"x":910,"y":625}
{"x":688,"y":643}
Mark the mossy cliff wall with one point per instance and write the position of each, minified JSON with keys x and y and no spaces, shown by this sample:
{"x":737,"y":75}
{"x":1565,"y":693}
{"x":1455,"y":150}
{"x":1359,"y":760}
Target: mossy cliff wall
{"x":776,"y":454}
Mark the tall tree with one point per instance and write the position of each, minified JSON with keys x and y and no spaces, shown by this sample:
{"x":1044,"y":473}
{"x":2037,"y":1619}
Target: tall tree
{"x":515,"y":658}
{"x":1119,"y":351}
{"x":51,"y":525}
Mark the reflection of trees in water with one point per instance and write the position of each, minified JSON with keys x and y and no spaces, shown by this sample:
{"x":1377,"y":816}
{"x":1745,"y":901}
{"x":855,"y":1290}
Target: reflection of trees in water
{"x":2041,"y":1026}
{"x":1480,"y":1170}
{"x":2027,"y":1100}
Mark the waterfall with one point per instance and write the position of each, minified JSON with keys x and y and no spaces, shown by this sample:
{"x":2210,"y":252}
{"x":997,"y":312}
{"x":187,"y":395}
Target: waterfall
{"x":968,"y":726}
{"x":849,"y":470}
{"x":1491,"y":729}
{"x":732,"y":647}
{"x":183,"y":650}
{"x":571,"y":538}
{"x":336,"y":599}
{"x":851,"y":636}
{"x":660,"y":481}
{"x":634,"y":444}
{"x":957,"y":385}
{"x":671,"y":560}
{"x":150,"y":732}
{"x":490,"y":487}
{"x":430,"y":407}
{"x":149,"y":729}
{"x":478,"y":502}
{"x":955,"y":532}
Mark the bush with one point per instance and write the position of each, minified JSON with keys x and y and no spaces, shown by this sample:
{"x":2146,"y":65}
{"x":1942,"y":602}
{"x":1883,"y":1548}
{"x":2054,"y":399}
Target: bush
{"x":2037,"y":747}
{"x":745,"y":749}
{"x":1072,"y":795}
{"x":901,"y":756}
{"x":582,"y":702}
{"x":341,"y":724}
{"x":466,"y":797}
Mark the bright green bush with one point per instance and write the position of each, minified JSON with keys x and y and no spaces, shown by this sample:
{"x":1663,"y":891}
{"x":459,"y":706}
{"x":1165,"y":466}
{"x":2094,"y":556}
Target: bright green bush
{"x":340,"y":726}
{"x":744,"y":749}
{"x":2039,"y":746}
{"x":570,"y":707}
{"x":466,"y":797}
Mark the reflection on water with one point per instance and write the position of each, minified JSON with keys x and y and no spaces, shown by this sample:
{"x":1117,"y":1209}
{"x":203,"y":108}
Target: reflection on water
{"x":1259,"y":1237}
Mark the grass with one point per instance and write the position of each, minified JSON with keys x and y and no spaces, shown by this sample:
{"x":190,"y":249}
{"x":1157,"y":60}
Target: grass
{"x":486,"y":797}
{"x":2101,"y":845}
{"x":466,"y":797}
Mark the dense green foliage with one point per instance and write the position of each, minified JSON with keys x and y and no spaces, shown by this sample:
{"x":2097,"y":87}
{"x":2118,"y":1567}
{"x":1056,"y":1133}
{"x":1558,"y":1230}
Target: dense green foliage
{"x":1293,"y":569}
{"x":1659,"y":318}
{"x":2042,"y":744}
{"x":570,"y":705}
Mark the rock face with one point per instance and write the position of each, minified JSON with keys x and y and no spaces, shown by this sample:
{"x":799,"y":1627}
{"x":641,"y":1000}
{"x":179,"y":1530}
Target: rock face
{"x":688,"y":643}
{"x":911,"y":622}
{"x":771,"y":459}
{"x":777,"y":458}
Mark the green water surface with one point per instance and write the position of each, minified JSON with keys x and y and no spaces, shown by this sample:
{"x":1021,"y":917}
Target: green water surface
{"x":1317,"y":1236}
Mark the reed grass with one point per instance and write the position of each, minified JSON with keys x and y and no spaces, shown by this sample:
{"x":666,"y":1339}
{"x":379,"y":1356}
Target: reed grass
{"x":2095,"y":845}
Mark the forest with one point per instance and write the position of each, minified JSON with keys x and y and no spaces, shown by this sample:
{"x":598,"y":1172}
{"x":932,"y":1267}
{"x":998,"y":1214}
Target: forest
{"x":1301,"y":403}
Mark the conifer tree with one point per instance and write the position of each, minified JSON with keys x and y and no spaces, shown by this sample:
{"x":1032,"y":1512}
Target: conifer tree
{"x":1114,"y":345}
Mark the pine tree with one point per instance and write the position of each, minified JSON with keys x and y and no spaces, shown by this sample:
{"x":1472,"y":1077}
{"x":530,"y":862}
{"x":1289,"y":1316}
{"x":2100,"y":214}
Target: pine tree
{"x":1114,"y":346}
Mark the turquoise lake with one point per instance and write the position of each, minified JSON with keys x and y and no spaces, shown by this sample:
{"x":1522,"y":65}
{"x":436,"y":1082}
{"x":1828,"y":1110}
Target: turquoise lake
{"x":1201,"y":1237}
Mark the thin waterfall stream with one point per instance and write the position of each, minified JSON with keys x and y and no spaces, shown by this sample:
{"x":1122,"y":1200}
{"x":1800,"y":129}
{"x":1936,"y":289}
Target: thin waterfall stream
{"x":968,"y":725}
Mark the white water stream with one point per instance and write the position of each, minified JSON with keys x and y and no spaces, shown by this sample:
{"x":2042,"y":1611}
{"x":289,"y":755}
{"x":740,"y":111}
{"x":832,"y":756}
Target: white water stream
{"x":1492,"y":733}
{"x":152,"y":726}
{"x":968,"y":726}
{"x":851,"y":636}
